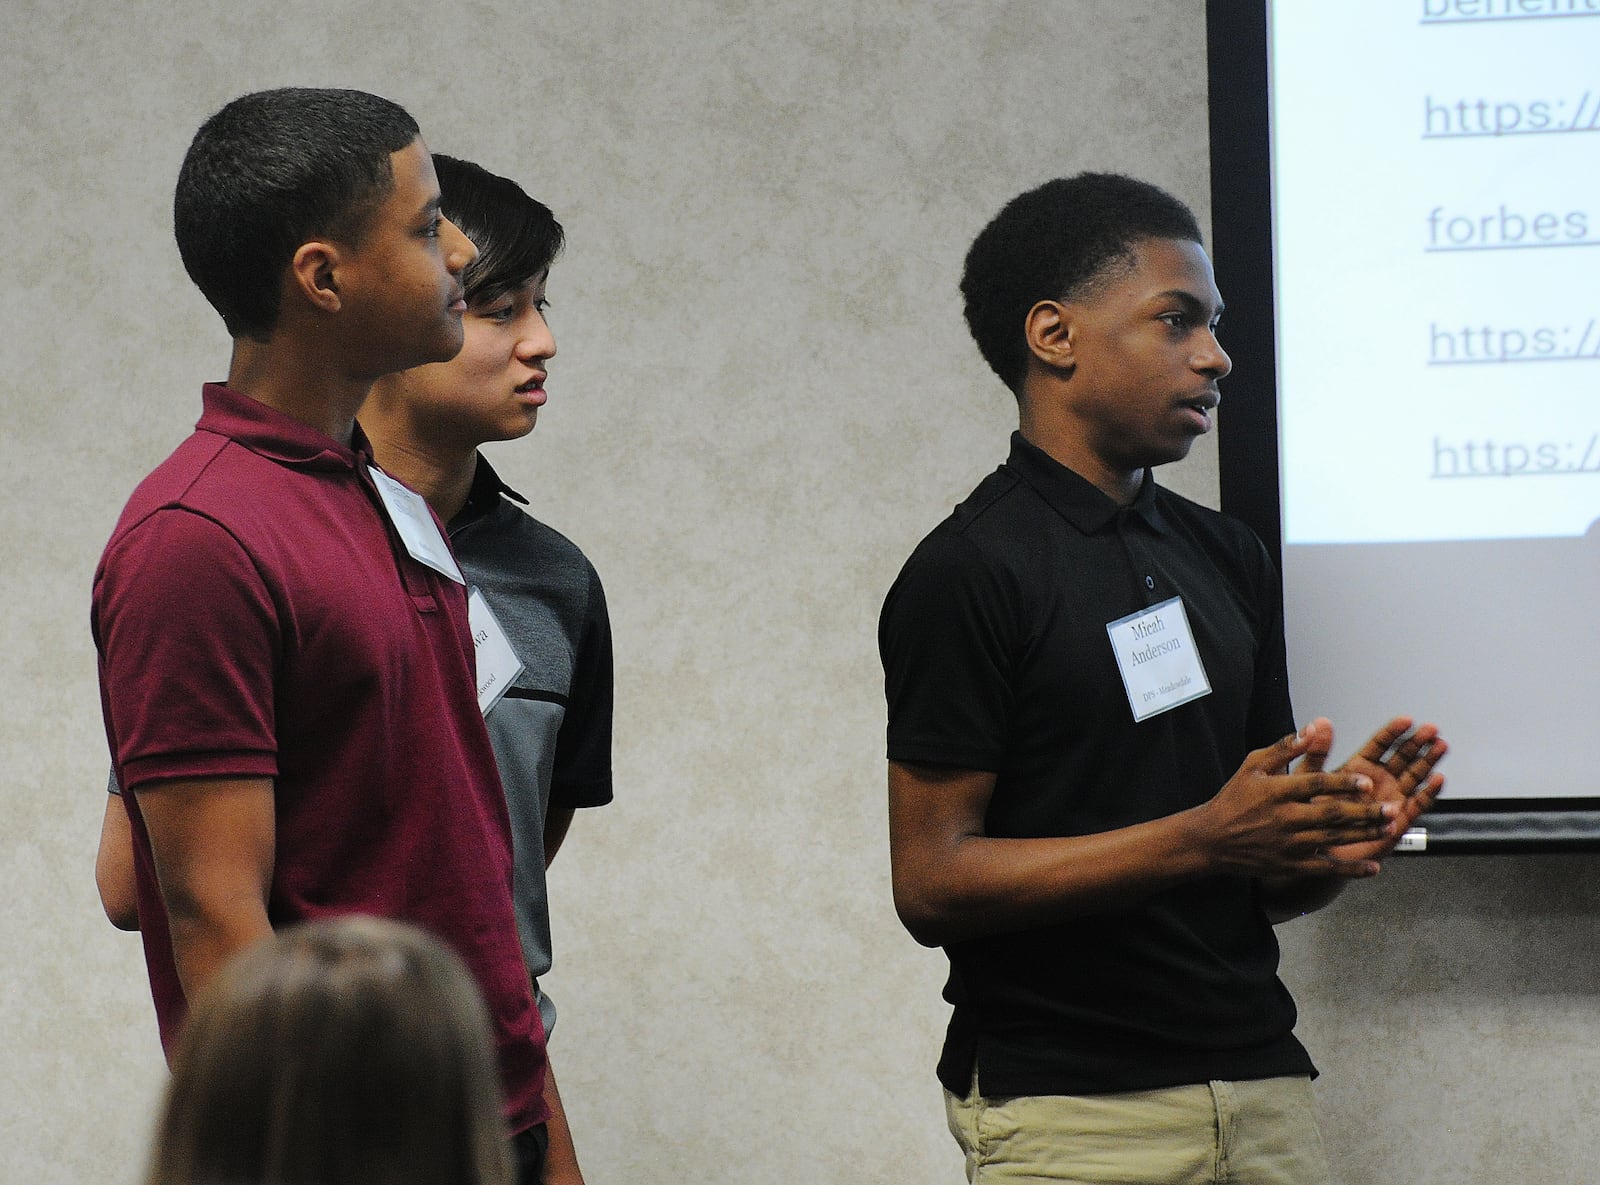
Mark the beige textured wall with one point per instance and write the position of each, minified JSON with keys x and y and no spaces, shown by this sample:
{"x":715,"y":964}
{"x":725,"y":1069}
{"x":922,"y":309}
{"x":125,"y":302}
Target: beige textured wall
{"x":764,"y":395}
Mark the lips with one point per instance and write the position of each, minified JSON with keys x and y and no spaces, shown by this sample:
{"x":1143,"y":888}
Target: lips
{"x":1200,"y":407}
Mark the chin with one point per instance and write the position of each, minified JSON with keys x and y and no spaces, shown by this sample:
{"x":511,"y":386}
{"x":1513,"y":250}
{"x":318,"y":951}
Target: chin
{"x":1167,"y":456}
{"x":513,"y":431}
{"x":445,"y":347}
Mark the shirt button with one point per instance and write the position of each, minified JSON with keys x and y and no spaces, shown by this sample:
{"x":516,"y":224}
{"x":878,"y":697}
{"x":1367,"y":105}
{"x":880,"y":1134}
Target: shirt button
{"x":1150,"y":582}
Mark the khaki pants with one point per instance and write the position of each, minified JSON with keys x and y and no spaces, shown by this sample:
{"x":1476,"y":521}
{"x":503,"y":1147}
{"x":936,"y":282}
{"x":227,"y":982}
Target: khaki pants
{"x":1220,"y":1133}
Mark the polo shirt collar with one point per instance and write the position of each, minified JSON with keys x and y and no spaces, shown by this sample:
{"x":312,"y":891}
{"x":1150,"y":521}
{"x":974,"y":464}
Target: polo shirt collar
{"x":484,"y":496}
{"x":269,"y":433}
{"x":1073,"y":496}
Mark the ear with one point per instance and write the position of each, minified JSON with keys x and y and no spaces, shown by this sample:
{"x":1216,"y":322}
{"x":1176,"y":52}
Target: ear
{"x":1048,"y":330}
{"x":312,"y":274}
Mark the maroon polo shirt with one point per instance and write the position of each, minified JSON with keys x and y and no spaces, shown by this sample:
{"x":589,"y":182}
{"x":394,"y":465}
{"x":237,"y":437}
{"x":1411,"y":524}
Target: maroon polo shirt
{"x":256,"y":615}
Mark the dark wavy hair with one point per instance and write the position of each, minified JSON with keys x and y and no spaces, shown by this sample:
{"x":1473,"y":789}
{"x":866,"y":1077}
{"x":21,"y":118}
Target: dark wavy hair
{"x":340,"y":1052}
{"x":273,"y":170}
{"x":1057,"y":242}
{"x":517,"y":237}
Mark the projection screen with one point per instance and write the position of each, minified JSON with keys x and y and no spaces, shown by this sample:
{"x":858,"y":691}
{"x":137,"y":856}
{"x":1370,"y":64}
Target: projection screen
{"x":1406,"y":212}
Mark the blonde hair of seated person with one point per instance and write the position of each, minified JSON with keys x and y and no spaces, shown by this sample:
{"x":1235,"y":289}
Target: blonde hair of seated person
{"x":349,"y":1051}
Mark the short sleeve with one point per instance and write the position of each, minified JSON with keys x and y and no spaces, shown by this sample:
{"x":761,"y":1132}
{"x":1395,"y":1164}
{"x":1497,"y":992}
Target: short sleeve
{"x":947,"y":637}
{"x":1271,"y":715}
{"x":582,"y":771}
{"x":188,"y":641}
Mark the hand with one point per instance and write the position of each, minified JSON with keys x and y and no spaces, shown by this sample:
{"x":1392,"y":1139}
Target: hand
{"x":1399,"y":763}
{"x":1274,"y":821}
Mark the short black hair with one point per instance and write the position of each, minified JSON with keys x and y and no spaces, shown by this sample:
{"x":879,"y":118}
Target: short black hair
{"x":517,"y":237}
{"x":273,"y":170}
{"x":1055,"y":243}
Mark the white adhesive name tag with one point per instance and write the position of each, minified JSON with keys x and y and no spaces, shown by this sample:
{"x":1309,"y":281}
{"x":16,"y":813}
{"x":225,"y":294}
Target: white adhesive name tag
{"x":497,"y":664}
{"x":411,"y":517}
{"x":1156,"y":653}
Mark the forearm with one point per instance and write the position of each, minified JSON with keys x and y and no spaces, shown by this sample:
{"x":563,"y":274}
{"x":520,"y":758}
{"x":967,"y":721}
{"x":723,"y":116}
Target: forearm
{"x":213,"y":842}
{"x":557,"y":821}
{"x":208,"y":931}
{"x":984,"y":885}
{"x":561,"y":1157}
{"x":953,"y":881}
{"x":1286,"y":898}
{"x":113,"y":866}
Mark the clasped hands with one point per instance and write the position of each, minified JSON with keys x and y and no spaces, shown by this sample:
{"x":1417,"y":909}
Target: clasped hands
{"x":1285,"y":814}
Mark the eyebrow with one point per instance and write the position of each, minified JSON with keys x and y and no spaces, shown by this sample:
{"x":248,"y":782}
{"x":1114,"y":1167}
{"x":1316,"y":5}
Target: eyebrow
{"x":1191,"y":303}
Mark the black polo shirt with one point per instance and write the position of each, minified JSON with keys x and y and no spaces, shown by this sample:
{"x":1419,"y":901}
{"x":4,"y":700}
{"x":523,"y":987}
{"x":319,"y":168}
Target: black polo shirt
{"x":996,"y":658}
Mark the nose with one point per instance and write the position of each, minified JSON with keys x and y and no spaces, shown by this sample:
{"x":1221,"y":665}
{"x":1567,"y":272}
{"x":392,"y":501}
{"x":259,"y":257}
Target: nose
{"x":459,"y":251}
{"x":536,"y":341}
{"x":1212,"y":359}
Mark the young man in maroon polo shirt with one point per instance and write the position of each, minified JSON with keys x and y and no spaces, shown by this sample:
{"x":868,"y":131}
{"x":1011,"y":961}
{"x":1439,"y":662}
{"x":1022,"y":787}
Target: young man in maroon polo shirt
{"x":285,"y":660}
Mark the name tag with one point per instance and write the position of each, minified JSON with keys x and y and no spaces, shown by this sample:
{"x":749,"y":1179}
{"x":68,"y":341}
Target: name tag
{"x":411,"y":517}
{"x":1156,"y":653}
{"x":497,"y":664}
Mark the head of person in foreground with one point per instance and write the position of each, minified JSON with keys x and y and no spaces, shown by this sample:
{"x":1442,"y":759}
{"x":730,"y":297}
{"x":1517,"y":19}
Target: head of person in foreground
{"x":348,"y":1051}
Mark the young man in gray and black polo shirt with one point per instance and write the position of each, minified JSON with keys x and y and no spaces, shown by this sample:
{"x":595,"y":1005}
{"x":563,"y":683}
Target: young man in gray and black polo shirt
{"x":540,"y":621}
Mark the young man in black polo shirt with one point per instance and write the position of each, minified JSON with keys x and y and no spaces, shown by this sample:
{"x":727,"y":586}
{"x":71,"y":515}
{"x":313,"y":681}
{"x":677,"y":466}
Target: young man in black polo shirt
{"x":1099,"y":803}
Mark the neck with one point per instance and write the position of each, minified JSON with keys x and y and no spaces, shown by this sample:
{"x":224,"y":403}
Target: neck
{"x":301,"y":385}
{"x":444,"y":484}
{"x":442,"y":475}
{"x":1065,"y":442}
